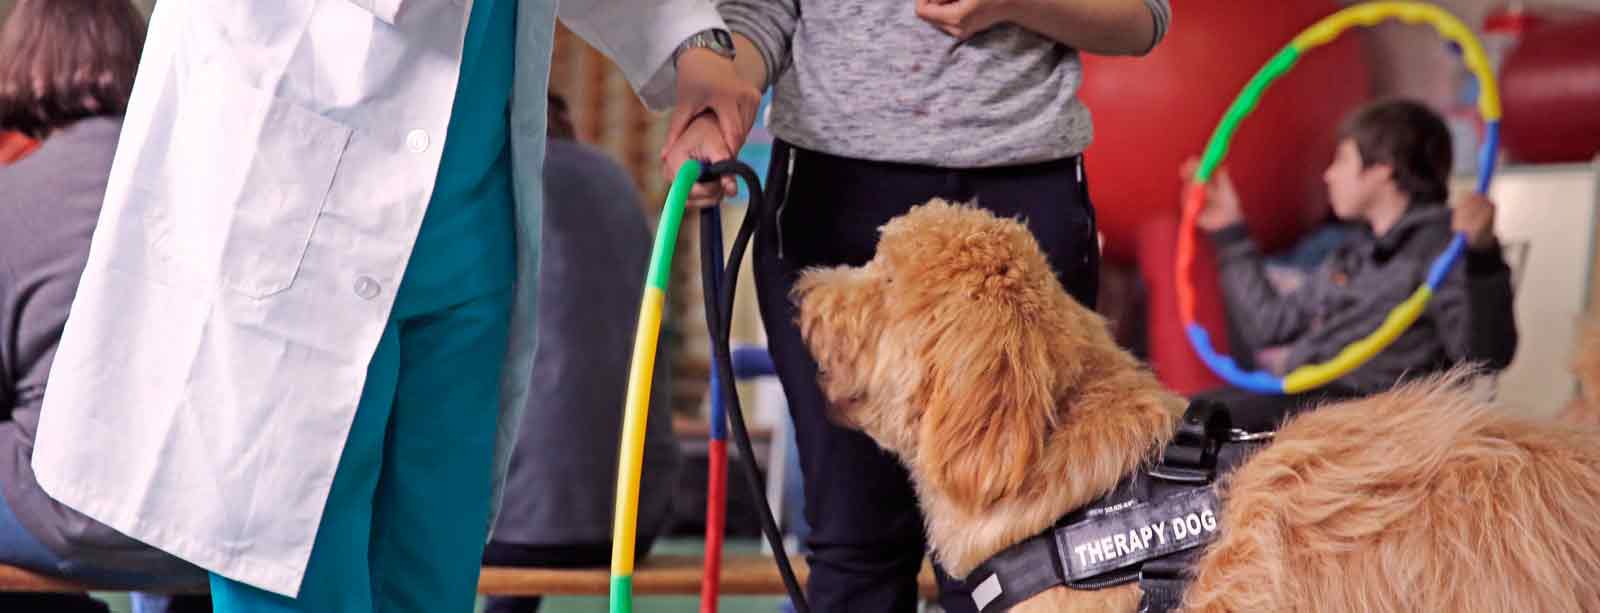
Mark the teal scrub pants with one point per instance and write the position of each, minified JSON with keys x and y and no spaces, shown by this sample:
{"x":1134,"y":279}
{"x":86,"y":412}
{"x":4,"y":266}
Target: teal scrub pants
{"x":408,"y":512}
{"x":407,"y":516}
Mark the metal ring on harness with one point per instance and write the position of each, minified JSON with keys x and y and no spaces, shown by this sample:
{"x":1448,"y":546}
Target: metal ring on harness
{"x":1240,"y":436}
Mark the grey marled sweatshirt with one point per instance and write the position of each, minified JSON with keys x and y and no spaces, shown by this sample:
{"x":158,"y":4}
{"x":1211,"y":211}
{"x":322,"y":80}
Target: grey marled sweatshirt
{"x":868,"y":79}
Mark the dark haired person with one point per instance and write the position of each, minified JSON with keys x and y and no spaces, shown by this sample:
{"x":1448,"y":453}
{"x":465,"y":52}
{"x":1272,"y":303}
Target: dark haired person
{"x":68,"y":69}
{"x":1390,"y":177}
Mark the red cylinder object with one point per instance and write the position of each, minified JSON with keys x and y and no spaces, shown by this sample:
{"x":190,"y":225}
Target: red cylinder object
{"x":1550,"y":88}
{"x":1152,"y":112}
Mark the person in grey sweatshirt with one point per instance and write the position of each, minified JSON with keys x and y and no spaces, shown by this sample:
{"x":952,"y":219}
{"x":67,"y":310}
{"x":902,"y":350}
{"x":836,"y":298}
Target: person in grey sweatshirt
{"x":878,"y":106}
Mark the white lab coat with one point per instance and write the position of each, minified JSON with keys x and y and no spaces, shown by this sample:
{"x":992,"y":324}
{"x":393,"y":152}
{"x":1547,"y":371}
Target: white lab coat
{"x":272,"y":173}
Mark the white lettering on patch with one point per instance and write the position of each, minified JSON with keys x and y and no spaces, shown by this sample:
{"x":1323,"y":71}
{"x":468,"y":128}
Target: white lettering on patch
{"x":1095,"y":554}
{"x":1193,"y":524}
{"x":1172,"y":524}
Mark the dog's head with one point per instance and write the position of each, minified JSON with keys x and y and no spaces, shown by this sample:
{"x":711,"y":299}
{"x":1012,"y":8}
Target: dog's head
{"x":951,"y":348}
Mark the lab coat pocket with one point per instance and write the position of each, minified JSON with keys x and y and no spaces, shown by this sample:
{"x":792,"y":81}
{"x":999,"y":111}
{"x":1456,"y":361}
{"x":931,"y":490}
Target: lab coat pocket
{"x":249,"y":174}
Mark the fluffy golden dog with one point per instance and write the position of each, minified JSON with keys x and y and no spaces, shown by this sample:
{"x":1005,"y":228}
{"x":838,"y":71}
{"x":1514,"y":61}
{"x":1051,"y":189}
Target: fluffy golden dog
{"x":957,"y":350}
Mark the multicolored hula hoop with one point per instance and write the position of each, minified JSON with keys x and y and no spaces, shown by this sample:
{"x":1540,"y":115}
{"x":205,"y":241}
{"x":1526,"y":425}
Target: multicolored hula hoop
{"x":630,"y":462}
{"x":1311,"y":376}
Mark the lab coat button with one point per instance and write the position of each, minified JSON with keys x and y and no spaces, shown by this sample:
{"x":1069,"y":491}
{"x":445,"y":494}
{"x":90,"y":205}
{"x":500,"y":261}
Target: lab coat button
{"x":367,"y":288}
{"x":417,"y":141}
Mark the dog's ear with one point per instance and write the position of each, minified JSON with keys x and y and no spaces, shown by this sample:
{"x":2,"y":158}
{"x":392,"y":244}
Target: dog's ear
{"x":984,"y":309}
{"x":989,"y":403}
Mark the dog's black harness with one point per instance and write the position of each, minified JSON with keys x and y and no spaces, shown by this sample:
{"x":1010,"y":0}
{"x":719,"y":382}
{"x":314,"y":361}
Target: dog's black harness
{"x":1148,"y":529}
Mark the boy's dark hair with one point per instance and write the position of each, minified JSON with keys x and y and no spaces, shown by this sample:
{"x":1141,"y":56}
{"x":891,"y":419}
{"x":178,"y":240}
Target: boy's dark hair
{"x":66,"y":60}
{"x":1409,"y":137}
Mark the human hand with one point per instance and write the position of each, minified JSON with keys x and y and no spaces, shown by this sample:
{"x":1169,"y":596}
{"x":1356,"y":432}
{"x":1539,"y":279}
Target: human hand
{"x":1222,"y":207}
{"x":963,"y":18}
{"x":711,"y":82}
{"x":702,"y":140}
{"x":1474,"y":215}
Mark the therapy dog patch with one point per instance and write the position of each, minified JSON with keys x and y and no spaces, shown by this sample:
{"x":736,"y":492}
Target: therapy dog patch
{"x":1132,"y":532}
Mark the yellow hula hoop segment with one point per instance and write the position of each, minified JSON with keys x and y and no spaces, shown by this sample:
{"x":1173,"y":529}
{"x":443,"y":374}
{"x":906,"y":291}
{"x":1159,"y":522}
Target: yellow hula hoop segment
{"x":1448,"y":26}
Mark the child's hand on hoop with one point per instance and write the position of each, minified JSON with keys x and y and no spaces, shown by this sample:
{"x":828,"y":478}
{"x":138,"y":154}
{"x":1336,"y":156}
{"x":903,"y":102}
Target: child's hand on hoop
{"x":1474,"y":215}
{"x":1222,"y":200}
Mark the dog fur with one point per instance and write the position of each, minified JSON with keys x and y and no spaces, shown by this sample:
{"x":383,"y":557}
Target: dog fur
{"x":957,"y":350}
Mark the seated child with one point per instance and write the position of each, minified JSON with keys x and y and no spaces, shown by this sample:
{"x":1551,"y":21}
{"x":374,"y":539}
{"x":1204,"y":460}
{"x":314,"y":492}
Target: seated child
{"x":1389,"y":175}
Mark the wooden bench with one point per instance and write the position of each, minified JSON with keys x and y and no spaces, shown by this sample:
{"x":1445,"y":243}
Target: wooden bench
{"x":662,"y":574}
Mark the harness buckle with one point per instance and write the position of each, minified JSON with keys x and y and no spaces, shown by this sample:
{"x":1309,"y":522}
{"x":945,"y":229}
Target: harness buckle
{"x":1191,"y":455}
{"x":1162,"y":580}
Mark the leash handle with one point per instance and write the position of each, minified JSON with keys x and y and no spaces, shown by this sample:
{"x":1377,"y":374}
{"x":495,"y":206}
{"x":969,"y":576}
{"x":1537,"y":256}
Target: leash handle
{"x":711,"y":275}
{"x":719,"y":306}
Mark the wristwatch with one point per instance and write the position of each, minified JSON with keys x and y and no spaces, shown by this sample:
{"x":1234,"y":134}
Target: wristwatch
{"x":715,"y":39}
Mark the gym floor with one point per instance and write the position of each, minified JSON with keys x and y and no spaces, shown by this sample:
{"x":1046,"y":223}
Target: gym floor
{"x":598,"y":604}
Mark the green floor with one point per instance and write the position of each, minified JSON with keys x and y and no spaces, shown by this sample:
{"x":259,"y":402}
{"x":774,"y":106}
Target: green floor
{"x":575,"y":604}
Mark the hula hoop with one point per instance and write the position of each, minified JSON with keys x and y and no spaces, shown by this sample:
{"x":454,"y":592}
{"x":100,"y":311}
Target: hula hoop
{"x":1311,"y":376}
{"x":718,"y":276}
{"x":631,"y":456}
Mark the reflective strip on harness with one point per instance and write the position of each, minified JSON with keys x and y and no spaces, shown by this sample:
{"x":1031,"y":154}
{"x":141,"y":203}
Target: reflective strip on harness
{"x":987,"y":591}
{"x":1130,"y":535}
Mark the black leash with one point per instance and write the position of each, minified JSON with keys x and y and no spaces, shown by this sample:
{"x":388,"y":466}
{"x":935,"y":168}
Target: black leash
{"x":719,"y":322}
